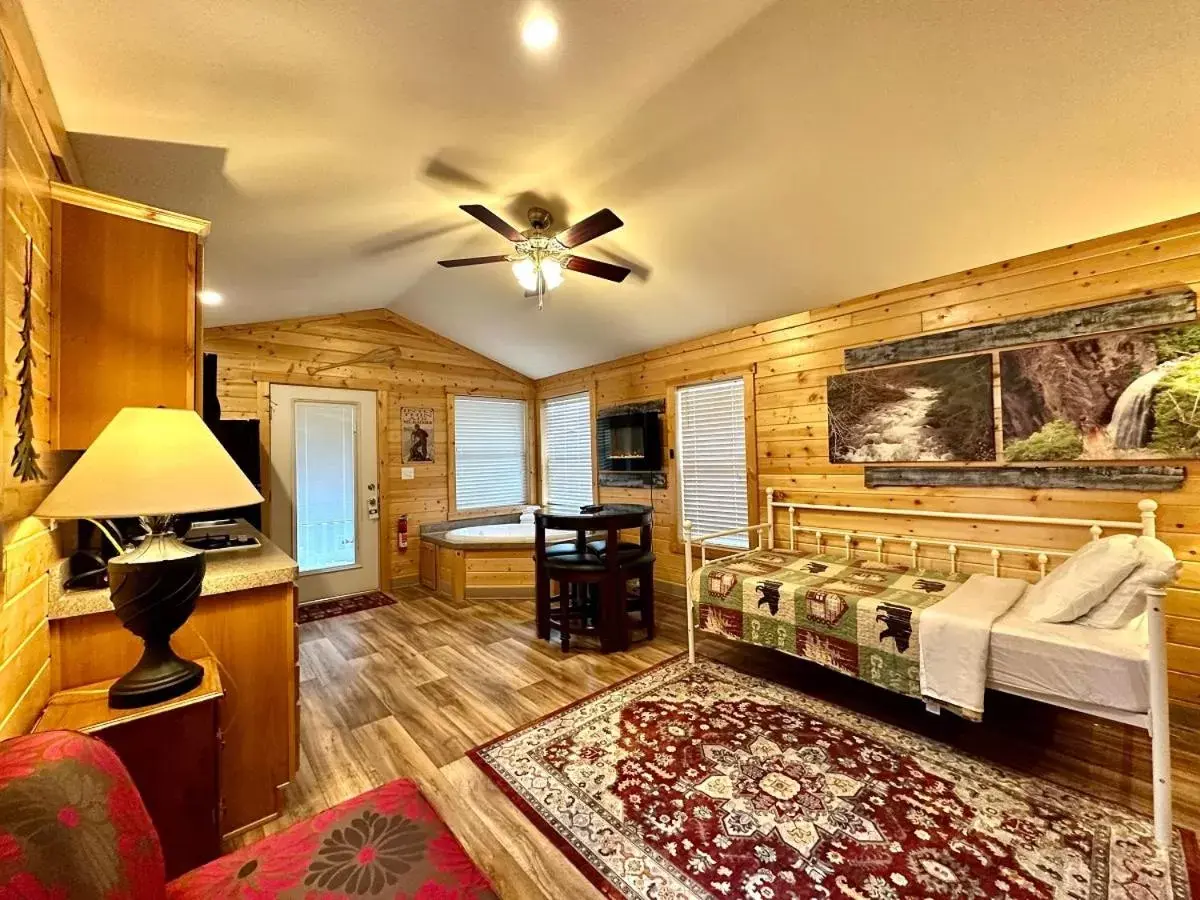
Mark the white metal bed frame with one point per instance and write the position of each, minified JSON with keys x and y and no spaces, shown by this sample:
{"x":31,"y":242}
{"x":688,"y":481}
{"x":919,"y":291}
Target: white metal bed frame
{"x":1155,"y":720}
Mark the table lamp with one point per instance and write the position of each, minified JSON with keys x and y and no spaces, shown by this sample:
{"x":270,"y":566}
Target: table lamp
{"x":152,"y":464}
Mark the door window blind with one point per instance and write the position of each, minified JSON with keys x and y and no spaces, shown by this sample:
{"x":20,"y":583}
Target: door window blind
{"x":489,"y":453}
{"x":712,"y":458}
{"x":326,"y":462}
{"x":567,"y":450}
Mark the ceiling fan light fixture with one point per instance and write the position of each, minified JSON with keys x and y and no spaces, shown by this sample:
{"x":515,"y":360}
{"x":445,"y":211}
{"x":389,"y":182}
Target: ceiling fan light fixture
{"x":538,"y":255}
{"x":552,"y":273}
{"x":526,"y":273}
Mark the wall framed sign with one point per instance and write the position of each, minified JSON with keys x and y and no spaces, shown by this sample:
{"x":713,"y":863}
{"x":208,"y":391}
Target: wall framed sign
{"x":417,"y":443}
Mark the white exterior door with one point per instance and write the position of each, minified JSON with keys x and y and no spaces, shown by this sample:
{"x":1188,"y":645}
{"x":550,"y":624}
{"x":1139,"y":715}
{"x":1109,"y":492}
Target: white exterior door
{"x":324,"y":487}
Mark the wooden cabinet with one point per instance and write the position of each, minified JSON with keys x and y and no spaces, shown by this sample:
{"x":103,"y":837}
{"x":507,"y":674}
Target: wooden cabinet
{"x":172,"y":752}
{"x":452,"y":573}
{"x":429,"y":565}
{"x":126,"y":279}
{"x":253,"y":634}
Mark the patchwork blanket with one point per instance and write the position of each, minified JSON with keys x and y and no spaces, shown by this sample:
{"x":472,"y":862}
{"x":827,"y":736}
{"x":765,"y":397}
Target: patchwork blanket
{"x":859,"y":616}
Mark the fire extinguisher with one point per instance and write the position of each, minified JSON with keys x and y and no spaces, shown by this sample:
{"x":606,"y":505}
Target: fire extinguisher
{"x":402,"y":534}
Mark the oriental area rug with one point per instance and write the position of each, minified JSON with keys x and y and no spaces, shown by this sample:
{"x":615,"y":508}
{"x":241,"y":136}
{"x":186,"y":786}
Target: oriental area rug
{"x":689,"y":782}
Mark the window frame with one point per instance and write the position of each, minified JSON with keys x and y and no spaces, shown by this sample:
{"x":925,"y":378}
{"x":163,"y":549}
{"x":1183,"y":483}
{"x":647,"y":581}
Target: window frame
{"x":452,"y":510}
{"x":543,"y":480}
{"x":754,"y":502}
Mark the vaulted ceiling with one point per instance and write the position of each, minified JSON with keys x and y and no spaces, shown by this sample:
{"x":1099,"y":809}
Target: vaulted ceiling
{"x":765,"y":156}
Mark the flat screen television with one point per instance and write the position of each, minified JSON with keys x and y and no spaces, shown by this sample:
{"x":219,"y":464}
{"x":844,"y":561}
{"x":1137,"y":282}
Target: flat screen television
{"x":630,"y":442}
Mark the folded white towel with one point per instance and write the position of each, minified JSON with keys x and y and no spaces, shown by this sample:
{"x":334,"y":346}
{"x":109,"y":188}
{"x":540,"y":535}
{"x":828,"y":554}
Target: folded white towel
{"x":955,"y":635}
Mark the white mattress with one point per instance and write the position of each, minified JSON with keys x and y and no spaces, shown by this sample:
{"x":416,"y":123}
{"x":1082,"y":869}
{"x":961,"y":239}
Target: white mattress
{"x":1105,"y":667}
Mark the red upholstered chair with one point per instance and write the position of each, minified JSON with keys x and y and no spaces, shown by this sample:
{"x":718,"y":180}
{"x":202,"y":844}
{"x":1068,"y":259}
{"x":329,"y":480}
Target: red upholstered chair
{"x":72,"y":827}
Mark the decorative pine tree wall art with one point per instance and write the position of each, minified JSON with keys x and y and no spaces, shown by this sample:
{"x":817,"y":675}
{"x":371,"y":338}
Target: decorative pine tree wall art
{"x":25,"y":456}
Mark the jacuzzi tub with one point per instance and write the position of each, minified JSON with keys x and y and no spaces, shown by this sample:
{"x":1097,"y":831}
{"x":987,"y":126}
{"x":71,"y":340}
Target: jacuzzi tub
{"x":512,"y":533}
{"x":483,"y":562}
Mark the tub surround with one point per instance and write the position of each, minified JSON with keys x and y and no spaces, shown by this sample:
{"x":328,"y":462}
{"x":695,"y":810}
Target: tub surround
{"x":479,"y":569}
{"x":433,"y":528}
{"x":481,"y":540}
{"x":435,"y":532}
{"x":474,"y":567}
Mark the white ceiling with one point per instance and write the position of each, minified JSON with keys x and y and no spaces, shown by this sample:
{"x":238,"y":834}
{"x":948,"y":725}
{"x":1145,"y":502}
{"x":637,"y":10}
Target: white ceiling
{"x":765,"y":156}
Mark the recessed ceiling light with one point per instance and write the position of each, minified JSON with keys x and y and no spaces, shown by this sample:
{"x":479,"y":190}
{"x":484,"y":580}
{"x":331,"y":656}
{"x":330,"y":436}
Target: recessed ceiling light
{"x":539,"y":32}
{"x":211,"y":298}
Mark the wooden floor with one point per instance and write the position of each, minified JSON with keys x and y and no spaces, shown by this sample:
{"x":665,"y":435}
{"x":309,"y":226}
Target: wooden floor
{"x":406,"y":690}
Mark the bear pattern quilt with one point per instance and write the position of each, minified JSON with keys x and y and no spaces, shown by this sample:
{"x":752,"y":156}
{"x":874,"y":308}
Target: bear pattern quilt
{"x":857,"y":616}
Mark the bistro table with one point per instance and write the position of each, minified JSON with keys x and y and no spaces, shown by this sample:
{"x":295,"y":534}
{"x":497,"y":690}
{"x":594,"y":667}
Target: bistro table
{"x":605,"y":565}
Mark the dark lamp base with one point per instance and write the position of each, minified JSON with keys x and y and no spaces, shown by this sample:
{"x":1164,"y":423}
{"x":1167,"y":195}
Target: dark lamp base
{"x":154,"y":590}
{"x":159,"y":675}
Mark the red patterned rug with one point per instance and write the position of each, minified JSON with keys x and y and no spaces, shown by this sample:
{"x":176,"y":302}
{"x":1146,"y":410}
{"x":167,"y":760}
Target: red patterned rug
{"x":341,"y":606}
{"x":701,"y":782}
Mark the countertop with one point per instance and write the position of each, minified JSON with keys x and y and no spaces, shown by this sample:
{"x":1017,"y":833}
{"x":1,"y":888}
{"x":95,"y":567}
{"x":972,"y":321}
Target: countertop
{"x":234,"y":570}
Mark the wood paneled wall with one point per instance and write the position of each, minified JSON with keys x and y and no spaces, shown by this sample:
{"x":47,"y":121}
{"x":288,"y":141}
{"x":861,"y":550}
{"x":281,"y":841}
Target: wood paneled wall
{"x":374,"y":350}
{"x":34,"y":150}
{"x":793,"y":356}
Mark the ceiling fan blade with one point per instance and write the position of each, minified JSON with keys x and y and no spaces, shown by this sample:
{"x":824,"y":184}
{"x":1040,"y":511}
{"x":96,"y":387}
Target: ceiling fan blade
{"x":405,"y":237}
{"x":438,"y":169}
{"x":597,"y":268}
{"x":638,"y":269}
{"x":589,"y":229}
{"x":470,"y":261}
{"x":492,"y":221}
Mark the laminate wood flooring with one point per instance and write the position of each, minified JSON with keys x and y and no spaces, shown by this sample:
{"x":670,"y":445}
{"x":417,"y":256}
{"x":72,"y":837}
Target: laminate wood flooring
{"x":406,"y":690}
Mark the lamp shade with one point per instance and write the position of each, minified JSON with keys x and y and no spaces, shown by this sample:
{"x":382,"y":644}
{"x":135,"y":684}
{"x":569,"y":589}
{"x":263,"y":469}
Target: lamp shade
{"x":150,"y":462}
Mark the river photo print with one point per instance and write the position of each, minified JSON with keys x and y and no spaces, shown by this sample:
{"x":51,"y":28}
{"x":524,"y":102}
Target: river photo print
{"x":922,"y":412}
{"x":1130,"y":395}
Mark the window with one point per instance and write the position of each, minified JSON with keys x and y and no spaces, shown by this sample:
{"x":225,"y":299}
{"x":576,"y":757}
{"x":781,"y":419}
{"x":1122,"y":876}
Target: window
{"x":567,"y":450}
{"x":712,"y":458}
{"x":489,"y":453}
{"x":326,"y":460}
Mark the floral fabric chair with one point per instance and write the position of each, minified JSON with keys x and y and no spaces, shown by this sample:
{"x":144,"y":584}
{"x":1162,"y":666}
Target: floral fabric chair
{"x":72,"y":825}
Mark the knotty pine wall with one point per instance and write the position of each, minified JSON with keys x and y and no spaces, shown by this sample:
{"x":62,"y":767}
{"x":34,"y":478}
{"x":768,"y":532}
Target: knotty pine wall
{"x":794,"y":355}
{"x":414,"y":366}
{"x":29,"y":546}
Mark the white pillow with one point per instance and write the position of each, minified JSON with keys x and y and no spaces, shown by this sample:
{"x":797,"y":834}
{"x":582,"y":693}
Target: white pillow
{"x":1157,"y":569}
{"x":1086,"y":578}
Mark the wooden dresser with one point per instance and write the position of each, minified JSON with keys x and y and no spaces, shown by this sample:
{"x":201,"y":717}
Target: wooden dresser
{"x":172,"y":752}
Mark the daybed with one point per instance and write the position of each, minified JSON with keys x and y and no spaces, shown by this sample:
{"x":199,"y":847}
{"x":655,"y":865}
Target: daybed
{"x":1117,"y":674}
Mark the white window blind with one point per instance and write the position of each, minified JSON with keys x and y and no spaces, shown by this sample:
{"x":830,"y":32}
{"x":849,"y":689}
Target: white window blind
{"x":712,"y":458}
{"x":567,"y":450}
{"x":489,"y":453}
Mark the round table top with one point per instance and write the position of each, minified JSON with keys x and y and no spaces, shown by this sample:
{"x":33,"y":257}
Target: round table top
{"x":622,"y":515}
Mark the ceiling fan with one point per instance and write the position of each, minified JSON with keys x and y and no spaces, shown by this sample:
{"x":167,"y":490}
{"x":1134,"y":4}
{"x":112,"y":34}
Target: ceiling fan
{"x":539,"y":254}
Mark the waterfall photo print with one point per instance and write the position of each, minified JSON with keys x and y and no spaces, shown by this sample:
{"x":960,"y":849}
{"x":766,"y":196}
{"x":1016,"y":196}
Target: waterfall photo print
{"x":923,"y":412}
{"x":1131,"y":395}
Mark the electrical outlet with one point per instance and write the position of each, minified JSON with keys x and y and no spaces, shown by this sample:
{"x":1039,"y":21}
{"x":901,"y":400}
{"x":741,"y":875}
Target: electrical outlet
{"x":407,"y":473}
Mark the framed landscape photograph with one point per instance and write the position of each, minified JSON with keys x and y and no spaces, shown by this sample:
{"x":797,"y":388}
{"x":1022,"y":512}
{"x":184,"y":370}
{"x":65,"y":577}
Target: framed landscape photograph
{"x":924,"y":412}
{"x":1130,"y":395}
